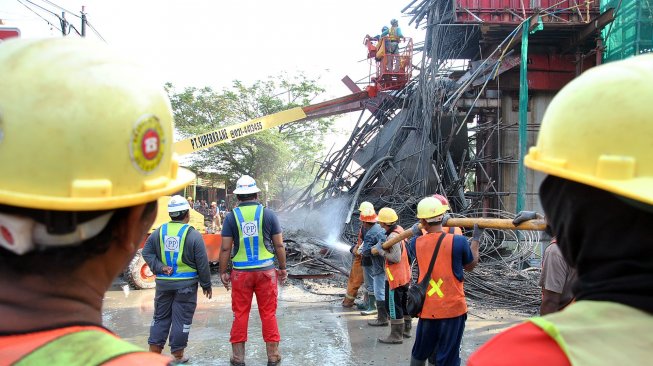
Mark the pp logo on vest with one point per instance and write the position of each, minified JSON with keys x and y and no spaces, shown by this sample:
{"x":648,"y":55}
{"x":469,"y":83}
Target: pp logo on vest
{"x":171,"y":243}
{"x":250,"y":228}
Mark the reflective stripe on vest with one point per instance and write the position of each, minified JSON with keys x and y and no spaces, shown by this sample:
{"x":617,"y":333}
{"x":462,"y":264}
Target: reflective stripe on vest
{"x":392,"y":34}
{"x":252,"y":252}
{"x":600,"y":333}
{"x":172,"y":238}
{"x":445,"y":295}
{"x":398,"y":273}
{"x":78,"y":348}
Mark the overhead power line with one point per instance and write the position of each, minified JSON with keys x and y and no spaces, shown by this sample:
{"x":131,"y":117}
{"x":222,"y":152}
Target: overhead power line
{"x":41,"y":16}
{"x":61,"y":8}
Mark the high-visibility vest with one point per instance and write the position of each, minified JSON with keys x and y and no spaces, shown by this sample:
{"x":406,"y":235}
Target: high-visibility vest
{"x":172,"y":238}
{"x":453,"y":230}
{"x":74,"y":346}
{"x":601,"y":333}
{"x":392,"y":34}
{"x":252,"y":252}
{"x":398,"y":274}
{"x":445,"y":295}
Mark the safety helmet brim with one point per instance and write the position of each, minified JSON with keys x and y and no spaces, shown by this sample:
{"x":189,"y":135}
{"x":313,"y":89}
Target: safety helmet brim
{"x":43,"y":202}
{"x":246,"y":190}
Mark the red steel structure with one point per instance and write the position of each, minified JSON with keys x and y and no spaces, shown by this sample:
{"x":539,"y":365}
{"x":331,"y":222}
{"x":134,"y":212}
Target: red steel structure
{"x":515,"y":11}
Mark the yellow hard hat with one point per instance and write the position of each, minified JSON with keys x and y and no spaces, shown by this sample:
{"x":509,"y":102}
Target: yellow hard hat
{"x":82,"y":128}
{"x":365,"y":205}
{"x":368,"y":215}
{"x":388,"y":215}
{"x":598,"y":129}
{"x":430,"y":207}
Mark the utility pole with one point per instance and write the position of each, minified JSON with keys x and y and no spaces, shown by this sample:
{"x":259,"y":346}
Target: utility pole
{"x":64,"y":23}
{"x":83,"y":22}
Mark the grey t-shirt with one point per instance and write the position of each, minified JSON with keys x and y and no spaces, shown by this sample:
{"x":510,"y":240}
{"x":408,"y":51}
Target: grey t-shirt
{"x":194,"y":255}
{"x":557,"y":275}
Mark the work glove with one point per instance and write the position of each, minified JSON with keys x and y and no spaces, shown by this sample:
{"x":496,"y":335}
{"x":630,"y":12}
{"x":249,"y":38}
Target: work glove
{"x":524,"y":216}
{"x":445,"y":218}
{"x":360,"y":250}
{"x":476,"y":234}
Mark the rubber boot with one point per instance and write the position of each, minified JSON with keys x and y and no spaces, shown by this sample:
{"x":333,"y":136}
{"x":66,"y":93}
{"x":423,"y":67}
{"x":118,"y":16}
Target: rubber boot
{"x":364,"y":304}
{"x":238,"y":354}
{"x":408,"y":325}
{"x":272,"y":349}
{"x":371,"y":306}
{"x":156,"y":349}
{"x":396,"y":332}
{"x":381,"y":317}
{"x":348,"y":302}
{"x":179,"y":357}
{"x":414,"y":362}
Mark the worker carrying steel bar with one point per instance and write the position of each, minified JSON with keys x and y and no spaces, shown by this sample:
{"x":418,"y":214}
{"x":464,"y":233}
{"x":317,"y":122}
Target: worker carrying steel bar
{"x":594,"y":145}
{"x":373,"y":267}
{"x":85,"y":149}
{"x":176,"y":253}
{"x":397,"y":271}
{"x":256,"y":234}
{"x":441,"y":259}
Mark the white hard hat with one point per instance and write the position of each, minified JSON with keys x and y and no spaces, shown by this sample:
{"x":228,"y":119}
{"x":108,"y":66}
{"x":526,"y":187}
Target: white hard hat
{"x":246,"y":185}
{"x":178,"y":203}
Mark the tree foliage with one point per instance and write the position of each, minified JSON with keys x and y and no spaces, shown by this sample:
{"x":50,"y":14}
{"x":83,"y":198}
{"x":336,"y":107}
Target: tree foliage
{"x":282,"y":156}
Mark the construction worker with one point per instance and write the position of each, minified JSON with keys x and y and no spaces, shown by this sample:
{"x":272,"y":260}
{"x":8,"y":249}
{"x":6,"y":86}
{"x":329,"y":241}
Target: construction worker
{"x":176,"y":253}
{"x":375,"y":268}
{"x":368,"y":306}
{"x":355,"y":279}
{"x":86,"y":150}
{"x":397,"y":269}
{"x":594,"y":145}
{"x":254,"y":234}
{"x":442,"y":320}
{"x":216,"y":222}
{"x":417,"y":231}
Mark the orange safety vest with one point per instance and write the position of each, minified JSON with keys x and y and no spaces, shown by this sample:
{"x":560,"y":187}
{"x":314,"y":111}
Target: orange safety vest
{"x":454,"y":230}
{"x":445,"y":295}
{"x":74,"y":346}
{"x":398,"y":274}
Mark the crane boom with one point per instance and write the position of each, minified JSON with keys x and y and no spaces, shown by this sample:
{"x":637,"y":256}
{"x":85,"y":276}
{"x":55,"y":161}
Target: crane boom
{"x":209,"y":139}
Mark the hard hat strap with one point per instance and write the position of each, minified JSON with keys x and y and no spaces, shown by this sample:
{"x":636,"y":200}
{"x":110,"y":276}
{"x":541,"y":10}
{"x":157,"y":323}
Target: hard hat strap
{"x":20,"y":234}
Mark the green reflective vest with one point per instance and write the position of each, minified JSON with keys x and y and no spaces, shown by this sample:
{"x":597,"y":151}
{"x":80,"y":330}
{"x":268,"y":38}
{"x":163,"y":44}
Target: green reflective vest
{"x":72,"y":349}
{"x":601,"y":333}
{"x":252,"y":252}
{"x":172,"y":237}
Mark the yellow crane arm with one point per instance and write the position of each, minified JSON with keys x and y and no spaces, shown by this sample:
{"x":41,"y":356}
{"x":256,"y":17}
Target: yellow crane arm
{"x":238,"y":130}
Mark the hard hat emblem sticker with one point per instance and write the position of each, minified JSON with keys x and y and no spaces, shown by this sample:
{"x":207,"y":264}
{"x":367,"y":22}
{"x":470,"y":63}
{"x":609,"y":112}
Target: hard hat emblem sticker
{"x":147,"y":144}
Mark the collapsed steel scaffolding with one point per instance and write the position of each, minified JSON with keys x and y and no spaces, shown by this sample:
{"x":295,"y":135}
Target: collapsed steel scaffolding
{"x":440,"y":134}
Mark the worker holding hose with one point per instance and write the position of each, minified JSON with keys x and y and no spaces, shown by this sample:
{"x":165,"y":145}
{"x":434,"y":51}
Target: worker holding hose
{"x":595,"y":147}
{"x":356,"y":278}
{"x":373,"y":265}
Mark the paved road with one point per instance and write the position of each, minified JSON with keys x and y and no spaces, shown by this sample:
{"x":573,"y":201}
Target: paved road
{"x":314,"y":332}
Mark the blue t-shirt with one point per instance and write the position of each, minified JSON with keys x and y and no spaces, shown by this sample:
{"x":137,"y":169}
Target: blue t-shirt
{"x":271,"y":227}
{"x":461,"y":254}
